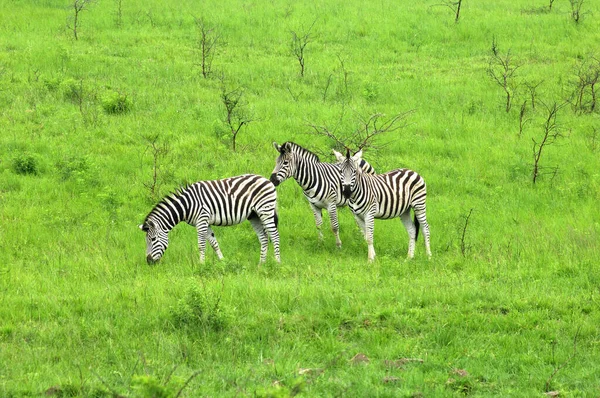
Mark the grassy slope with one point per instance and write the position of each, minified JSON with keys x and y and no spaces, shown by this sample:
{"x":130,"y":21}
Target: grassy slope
{"x":78,"y":304}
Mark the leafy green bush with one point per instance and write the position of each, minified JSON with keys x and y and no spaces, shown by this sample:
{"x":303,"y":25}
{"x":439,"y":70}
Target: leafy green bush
{"x":72,"y":90}
{"x":195,"y":310}
{"x":71,"y":167}
{"x":115,"y":103}
{"x":25,"y":164}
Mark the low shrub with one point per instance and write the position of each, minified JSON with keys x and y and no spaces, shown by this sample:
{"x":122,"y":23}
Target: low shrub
{"x":115,"y":103}
{"x":25,"y":164}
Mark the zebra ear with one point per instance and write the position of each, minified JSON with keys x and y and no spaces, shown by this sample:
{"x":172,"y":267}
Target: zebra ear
{"x":357,"y":156}
{"x":338,"y":156}
{"x":278,"y":147}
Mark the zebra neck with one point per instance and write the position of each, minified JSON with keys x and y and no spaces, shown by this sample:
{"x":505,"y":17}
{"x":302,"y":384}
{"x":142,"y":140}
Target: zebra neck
{"x":306,"y":173}
{"x":170,"y":212}
{"x":361,"y":184}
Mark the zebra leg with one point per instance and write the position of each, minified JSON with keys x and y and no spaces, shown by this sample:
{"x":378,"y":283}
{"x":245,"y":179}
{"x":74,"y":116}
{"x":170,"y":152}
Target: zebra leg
{"x":412,"y":232}
{"x":270,"y":225}
{"x":210,"y":235}
{"x":335,"y":226}
{"x":202,"y":228}
{"x":420,"y":214}
{"x":360,"y":221}
{"x":318,"y":219}
{"x":369,"y":228}
{"x":257,"y":225}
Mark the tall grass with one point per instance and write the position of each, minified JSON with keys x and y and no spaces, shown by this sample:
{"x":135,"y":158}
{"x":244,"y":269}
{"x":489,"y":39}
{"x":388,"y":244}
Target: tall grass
{"x":503,"y":305}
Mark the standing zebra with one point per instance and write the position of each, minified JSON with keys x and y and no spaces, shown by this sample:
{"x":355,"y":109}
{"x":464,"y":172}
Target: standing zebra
{"x":384,"y":196}
{"x":218,"y":202}
{"x":320,"y":181}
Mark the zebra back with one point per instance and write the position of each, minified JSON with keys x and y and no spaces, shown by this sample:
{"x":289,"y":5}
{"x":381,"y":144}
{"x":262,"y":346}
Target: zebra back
{"x":227,"y":201}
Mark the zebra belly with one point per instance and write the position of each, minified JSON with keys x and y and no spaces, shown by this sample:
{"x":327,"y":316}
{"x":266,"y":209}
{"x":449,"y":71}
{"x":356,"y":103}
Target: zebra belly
{"x":220,"y":220}
{"x":323,"y":203}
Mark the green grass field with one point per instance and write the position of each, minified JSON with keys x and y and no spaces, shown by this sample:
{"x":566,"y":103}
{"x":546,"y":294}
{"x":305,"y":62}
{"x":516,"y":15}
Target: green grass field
{"x":509,"y":304}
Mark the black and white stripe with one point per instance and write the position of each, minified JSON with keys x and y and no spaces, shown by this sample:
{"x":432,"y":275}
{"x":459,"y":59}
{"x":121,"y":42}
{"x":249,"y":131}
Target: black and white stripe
{"x":224,"y":202}
{"x":384,"y":196}
{"x":320,"y":181}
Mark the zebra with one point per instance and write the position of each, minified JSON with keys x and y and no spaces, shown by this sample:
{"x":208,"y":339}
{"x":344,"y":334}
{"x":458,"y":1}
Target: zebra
{"x":225,"y":202}
{"x":320,"y":181}
{"x":384,"y":196}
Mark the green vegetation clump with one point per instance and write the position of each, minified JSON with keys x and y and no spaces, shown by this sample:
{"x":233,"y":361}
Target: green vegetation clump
{"x":196,"y":310}
{"x":115,"y":102}
{"x":25,"y":164}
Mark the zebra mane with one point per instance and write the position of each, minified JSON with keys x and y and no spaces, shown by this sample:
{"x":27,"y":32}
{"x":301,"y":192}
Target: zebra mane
{"x":293,"y":147}
{"x":173,"y":195}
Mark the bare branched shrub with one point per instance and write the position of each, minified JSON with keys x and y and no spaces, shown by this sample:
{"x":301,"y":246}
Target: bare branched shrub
{"x":158,"y":151}
{"x":78,"y":7}
{"x":588,"y":76}
{"x":119,"y":14}
{"x":576,"y":10}
{"x":550,"y":5}
{"x":502,"y":70}
{"x":236,"y":112}
{"x":368,"y":133}
{"x":208,"y":42}
{"x":593,"y":139}
{"x":522,"y":118}
{"x":299,"y":43}
{"x":454,"y":6}
{"x":551,"y":132}
{"x":548,"y":386}
{"x":463,"y":245}
{"x":532,"y":88}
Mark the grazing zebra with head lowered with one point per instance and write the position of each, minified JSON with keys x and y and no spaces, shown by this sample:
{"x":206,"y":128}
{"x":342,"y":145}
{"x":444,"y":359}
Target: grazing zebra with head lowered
{"x":218,"y":202}
{"x":384,"y":196}
{"x":320,"y":181}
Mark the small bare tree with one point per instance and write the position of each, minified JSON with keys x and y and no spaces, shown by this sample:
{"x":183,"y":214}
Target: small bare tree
{"x":365,"y":136}
{"x":532,"y":88}
{"x":236,"y":114}
{"x":455,"y":7}
{"x":78,"y":7}
{"x":588,"y":76}
{"x":158,"y":152}
{"x":208,"y":42}
{"x":550,"y":5}
{"x":522,"y":119}
{"x":576,"y":10}
{"x":119,"y":14}
{"x":551,"y":132}
{"x":299,"y":43}
{"x":463,"y":245}
{"x":502,"y":70}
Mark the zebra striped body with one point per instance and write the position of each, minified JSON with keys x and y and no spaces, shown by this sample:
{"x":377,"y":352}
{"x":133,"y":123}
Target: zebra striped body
{"x":319,"y":181}
{"x":384,"y":196}
{"x":223,"y":202}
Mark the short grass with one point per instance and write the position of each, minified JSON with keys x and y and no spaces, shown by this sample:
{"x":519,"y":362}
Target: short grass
{"x":507,"y":306}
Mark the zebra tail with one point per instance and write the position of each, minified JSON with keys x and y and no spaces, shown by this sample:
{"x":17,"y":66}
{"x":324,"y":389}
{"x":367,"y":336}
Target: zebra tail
{"x":416,"y":221}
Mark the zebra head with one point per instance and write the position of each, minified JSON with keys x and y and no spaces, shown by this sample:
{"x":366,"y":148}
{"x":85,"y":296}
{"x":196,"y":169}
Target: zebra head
{"x":285,"y":164}
{"x":349,"y":168}
{"x":157,"y":240}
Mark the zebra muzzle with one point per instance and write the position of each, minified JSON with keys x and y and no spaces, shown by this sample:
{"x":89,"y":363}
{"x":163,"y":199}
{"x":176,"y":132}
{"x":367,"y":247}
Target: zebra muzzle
{"x":274,"y":179}
{"x":150,"y":260}
{"x":347,"y":191}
